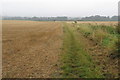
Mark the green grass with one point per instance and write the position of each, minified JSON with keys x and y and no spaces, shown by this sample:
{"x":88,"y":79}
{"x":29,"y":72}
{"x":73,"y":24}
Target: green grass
{"x":102,"y":34}
{"x":75,"y":61}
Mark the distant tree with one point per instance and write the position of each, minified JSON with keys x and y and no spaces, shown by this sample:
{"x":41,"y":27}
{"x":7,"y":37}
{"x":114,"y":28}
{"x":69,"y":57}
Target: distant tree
{"x":96,"y":18}
{"x":114,"y":18}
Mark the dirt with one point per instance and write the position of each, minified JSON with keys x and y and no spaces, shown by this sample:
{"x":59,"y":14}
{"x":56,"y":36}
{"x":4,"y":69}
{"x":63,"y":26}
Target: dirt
{"x":31,"y":49}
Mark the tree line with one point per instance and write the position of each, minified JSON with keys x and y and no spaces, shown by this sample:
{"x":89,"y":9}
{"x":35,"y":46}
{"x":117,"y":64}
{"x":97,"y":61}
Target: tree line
{"x":100,"y":18}
{"x":64,"y":18}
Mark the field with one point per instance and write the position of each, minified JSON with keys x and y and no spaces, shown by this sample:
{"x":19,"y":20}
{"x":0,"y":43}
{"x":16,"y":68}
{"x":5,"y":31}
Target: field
{"x":30,"y":49}
{"x":59,"y":49}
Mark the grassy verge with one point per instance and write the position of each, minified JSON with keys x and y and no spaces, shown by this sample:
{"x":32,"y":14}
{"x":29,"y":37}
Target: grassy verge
{"x":104,"y":35}
{"x":75,"y":61}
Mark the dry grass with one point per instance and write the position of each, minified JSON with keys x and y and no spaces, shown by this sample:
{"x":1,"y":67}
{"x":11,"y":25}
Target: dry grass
{"x":109,"y":23}
{"x":30,"y":48}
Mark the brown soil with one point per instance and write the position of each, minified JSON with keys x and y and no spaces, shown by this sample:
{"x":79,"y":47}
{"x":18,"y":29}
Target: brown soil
{"x":31,"y":49}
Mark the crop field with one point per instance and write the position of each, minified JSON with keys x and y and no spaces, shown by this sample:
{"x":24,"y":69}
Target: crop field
{"x":30,"y":49}
{"x":36,"y":49}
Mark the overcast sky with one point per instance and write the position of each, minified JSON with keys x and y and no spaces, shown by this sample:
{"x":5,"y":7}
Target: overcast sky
{"x":70,"y":8}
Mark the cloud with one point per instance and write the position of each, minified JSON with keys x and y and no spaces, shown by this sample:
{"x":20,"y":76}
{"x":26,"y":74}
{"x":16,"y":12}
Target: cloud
{"x":59,"y":7}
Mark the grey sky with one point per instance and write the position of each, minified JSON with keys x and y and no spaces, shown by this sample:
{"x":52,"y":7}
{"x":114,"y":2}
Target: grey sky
{"x":70,"y":8}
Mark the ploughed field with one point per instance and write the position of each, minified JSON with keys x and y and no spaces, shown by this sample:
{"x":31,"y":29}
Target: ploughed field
{"x":35,"y":49}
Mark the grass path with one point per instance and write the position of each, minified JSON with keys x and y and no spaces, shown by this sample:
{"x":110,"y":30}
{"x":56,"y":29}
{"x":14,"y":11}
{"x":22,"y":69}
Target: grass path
{"x":76,"y":62}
